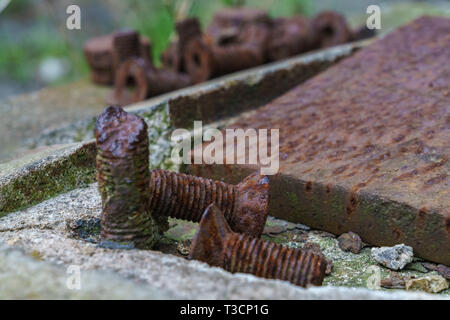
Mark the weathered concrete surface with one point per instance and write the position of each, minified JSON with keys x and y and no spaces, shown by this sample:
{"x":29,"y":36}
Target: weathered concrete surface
{"x":25,"y":116}
{"x":46,"y":235}
{"x":364,"y":146}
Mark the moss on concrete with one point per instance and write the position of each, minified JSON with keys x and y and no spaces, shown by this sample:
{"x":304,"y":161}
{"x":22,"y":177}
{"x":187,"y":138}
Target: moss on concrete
{"x":42,"y":179}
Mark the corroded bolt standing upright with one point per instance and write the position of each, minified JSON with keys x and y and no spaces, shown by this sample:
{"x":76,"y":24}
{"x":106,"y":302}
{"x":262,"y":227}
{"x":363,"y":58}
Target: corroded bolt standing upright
{"x":124,"y":178}
{"x":215,"y":244}
{"x":183,"y":196}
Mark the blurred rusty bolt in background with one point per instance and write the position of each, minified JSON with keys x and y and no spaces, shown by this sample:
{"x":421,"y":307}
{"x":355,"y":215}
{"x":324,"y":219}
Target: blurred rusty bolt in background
{"x":148,"y":81}
{"x":215,"y":244}
{"x":330,"y":29}
{"x":236,"y":39}
{"x":182,"y":196}
{"x":104,"y":54}
{"x":187,"y":30}
{"x":123,"y":178}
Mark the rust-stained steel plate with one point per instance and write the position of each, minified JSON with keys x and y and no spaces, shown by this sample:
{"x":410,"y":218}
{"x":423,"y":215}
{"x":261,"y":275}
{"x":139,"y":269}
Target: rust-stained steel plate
{"x":365,"y":145}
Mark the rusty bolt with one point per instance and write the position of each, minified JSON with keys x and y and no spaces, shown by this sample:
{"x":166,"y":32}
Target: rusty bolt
{"x":173,"y":57}
{"x":124,"y":178}
{"x":183,"y":196}
{"x":228,"y":22}
{"x":290,"y":36}
{"x":147,"y":80}
{"x":205,"y":61}
{"x":216,"y":244}
{"x":105,"y":53}
{"x":329,"y":29}
{"x":125,"y":45}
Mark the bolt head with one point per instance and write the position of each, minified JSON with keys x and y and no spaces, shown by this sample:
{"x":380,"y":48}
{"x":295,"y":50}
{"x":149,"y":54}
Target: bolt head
{"x":252,"y":205}
{"x":209,"y":241}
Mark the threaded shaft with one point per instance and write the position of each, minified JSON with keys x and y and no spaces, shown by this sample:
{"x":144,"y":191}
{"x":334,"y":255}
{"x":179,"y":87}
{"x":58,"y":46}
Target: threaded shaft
{"x":186,"y":197}
{"x":235,"y":57}
{"x":123,"y":178}
{"x":272,"y":261}
{"x":125,"y":45}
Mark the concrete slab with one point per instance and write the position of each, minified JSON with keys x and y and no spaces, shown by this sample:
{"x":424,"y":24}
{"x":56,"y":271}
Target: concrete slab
{"x":364,"y":146}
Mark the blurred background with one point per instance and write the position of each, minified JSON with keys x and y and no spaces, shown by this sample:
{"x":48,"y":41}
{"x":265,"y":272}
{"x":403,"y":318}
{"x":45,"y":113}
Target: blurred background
{"x":36,"y":48}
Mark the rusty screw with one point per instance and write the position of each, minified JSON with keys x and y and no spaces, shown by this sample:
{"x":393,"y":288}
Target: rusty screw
{"x":104,"y":54}
{"x":290,"y":36}
{"x":215,"y":244}
{"x":229,"y":21}
{"x":183,"y":196}
{"x":124,"y":179}
{"x":148,"y":81}
{"x":173,"y":56}
{"x":205,"y":61}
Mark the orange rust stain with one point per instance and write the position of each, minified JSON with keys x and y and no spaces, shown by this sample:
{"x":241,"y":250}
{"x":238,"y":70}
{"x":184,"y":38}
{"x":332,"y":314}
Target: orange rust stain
{"x":421,"y":170}
{"x":396,"y":233}
{"x":352,"y":204}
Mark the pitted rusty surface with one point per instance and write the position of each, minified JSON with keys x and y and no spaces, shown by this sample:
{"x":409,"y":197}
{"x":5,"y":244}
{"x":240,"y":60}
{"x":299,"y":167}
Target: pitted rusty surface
{"x":365,"y":145}
{"x":216,"y":244}
{"x":123,"y":178}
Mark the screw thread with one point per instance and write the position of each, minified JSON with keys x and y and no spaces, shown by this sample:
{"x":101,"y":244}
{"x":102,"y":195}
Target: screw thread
{"x":272,"y":261}
{"x":186,"y":197}
{"x":125,"y":45}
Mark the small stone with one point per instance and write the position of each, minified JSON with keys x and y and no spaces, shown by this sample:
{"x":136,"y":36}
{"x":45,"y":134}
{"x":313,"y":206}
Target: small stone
{"x":416,"y":266}
{"x":429,"y":266}
{"x":274,"y":229}
{"x":300,"y":226}
{"x":393,"y":283}
{"x":430,"y":284}
{"x":184,"y":247}
{"x":443,"y":271}
{"x":350,"y":242}
{"x":395,"y":258}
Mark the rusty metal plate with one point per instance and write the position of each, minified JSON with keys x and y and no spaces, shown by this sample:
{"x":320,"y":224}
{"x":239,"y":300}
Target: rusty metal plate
{"x":365,"y":145}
